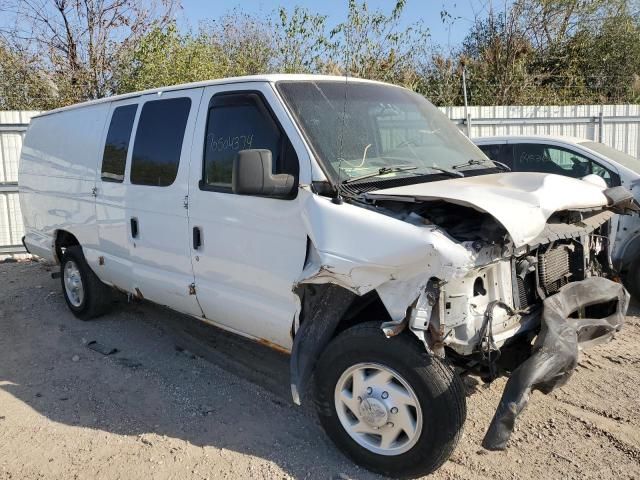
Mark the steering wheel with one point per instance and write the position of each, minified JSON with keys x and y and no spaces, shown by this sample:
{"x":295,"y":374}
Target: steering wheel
{"x":579,"y":168}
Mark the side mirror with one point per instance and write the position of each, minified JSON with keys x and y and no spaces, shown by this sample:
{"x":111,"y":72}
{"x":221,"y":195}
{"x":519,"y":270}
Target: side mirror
{"x":252,"y":175}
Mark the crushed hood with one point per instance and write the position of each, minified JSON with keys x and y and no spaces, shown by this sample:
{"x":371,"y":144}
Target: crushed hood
{"x":521,"y":201}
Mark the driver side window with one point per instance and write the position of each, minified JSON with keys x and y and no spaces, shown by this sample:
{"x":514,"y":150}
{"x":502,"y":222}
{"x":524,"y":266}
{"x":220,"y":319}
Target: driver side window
{"x":242,"y":121}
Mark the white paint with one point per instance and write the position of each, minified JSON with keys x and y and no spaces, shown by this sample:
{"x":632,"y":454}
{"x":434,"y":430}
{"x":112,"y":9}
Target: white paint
{"x":160,"y":257}
{"x":112,"y":223}
{"x":253,"y":248}
{"x":362,"y":250}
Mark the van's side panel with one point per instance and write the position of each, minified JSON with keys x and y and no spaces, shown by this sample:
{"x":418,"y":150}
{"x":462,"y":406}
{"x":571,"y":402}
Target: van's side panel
{"x":57,"y":177}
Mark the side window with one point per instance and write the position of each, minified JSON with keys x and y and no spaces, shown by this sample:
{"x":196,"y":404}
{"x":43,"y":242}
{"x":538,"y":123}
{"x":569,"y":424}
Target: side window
{"x":158,"y":143}
{"x":537,"y":157}
{"x":611,"y":179}
{"x":561,"y":161}
{"x":491,"y":151}
{"x":241,"y":121}
{"x":116,"y":146}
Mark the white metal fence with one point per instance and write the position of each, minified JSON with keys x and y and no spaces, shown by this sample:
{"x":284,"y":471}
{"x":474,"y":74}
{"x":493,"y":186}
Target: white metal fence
{"x":12,"y":128}
{"x":615,"y":125}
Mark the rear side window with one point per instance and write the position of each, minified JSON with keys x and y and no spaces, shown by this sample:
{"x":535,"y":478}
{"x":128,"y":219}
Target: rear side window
{"x":116,"y":146}
{"x":241,"y":121}
{"x":156,"y":150}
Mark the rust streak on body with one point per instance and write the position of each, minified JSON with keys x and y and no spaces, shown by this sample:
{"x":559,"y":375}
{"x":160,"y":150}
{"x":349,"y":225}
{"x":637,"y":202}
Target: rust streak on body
{"x":273,"y":346}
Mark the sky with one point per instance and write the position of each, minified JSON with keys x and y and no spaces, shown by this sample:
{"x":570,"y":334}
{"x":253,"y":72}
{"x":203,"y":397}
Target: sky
{"x":444,"y":35}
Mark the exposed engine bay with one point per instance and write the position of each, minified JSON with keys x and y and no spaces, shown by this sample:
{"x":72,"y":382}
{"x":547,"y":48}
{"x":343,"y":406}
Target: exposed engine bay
{"x":508,"y":284}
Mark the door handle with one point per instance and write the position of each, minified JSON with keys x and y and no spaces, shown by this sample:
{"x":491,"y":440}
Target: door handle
{"x":134,"y":227}
{"x":197,"y":238}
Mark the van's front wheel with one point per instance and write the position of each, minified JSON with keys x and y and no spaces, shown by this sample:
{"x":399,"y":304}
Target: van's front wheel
{"x":86,"y":296}
{"x":386,"y":403}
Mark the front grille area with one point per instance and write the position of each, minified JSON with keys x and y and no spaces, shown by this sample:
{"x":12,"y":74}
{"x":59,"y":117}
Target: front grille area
{"x":545,"y":272}
{"x":553,"y":268}
{"x":558,"y":265}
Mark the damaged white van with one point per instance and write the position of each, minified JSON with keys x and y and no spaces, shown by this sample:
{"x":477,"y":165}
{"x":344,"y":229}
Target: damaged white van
{"x":345,"y":221}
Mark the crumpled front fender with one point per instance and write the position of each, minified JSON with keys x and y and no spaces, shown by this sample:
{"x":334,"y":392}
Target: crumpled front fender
{"x":362,"y":250}
{"x":353,"y":251}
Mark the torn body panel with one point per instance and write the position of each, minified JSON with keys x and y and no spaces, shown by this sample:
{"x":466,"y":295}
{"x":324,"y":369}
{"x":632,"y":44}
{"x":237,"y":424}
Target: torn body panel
{"x":323,"y":307}
{"x":599,"y":305}
{"x":362,"y":250}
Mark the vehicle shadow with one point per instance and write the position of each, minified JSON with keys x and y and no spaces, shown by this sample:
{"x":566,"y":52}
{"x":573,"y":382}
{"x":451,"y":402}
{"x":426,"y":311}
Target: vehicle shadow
{"x":172,"y":376}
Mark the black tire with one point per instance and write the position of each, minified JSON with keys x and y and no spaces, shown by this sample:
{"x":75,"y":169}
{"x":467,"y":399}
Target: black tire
{"x":631,"y":280}
{"x":97,"y":296}
{"x":438,"y":388}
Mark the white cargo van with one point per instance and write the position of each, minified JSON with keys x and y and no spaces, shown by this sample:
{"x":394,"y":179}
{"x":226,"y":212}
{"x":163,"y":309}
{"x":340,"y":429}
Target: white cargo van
{"x":345,"y":221}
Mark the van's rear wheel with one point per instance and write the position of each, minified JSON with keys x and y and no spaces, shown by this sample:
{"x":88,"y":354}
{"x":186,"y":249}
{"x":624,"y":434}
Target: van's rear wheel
{"x":86,"y":296}
{"x":389,"y":405}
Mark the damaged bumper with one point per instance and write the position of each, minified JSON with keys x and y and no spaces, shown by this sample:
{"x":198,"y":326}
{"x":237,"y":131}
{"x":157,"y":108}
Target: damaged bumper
{"x":580,"y":315}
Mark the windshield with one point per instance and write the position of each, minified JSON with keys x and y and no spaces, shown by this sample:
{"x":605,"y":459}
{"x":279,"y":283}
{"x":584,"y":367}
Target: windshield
{"x":377,"y":128}
{"x":622,"y":158}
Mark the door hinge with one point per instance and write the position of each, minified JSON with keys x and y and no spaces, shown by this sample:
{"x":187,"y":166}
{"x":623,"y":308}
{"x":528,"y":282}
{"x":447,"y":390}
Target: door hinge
{"x":192,"y":289}
{"x":94,"y":191}
{"x":185,"y":202}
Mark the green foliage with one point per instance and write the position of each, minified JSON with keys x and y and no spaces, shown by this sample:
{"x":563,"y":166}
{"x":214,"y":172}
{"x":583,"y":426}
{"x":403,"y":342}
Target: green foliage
{"x":372,"y":44}
{"x":300,"y":44}
{"x":166,"y":57}
{"x":236,"y":45}
{"x":22,"y":85}
{"x":554,"y":52}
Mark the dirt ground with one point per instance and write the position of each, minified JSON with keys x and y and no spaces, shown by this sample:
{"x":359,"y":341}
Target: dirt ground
{"x":181,"y":399}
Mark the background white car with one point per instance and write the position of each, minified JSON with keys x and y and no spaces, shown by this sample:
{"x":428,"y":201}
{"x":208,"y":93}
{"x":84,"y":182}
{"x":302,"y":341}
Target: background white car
{"x":575,"y":157}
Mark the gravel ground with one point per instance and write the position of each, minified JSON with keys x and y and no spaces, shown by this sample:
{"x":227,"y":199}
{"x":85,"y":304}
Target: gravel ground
{"x":181,"y":399}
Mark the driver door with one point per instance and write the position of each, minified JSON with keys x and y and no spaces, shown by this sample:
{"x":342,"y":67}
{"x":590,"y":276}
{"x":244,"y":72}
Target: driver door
{"x":247,"y":251}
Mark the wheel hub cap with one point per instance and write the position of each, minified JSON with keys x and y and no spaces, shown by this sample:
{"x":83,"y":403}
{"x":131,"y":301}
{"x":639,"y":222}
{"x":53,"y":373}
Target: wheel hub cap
{"x":373,"y":412}
{"x":73,"y":283}
{"x":378,"y":409}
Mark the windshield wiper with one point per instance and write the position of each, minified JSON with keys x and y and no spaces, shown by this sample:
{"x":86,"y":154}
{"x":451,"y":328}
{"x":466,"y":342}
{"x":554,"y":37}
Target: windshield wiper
{"x":403,"y":168}
{"x":451,"y":173}
{"x":474,"y":161}
{"x":381,"y":171}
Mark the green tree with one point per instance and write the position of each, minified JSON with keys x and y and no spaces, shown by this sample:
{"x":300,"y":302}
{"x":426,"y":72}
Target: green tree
{"x":22,"y":85}
{"x":236,"y":45}
{"x":300,"y":42}
{"x":166,"y":57}
{"x":77,"y":41}
{"x":497,"y":54}
{"x":372,"y":44}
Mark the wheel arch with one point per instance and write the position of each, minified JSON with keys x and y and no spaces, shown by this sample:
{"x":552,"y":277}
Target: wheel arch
{"x":63,"y":239}
{"x":326,"y":311}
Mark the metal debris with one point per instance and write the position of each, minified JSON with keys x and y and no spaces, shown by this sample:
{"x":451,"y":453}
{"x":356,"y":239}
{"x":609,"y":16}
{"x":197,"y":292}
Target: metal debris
{"x":103,"y":349}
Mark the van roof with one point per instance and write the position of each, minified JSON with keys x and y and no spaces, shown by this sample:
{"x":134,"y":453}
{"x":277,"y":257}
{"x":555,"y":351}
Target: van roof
{"x":270,"y":78}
